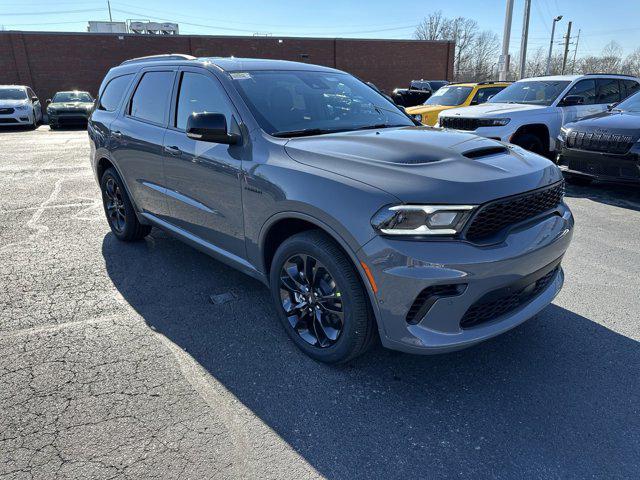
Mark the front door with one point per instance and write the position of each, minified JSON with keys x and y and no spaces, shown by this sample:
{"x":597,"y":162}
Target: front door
{"x":203,"y":178}
{"x":586,"y":89}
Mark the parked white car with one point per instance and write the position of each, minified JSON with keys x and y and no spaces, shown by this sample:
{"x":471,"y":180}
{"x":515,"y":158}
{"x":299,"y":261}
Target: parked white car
{"x":19,"y":105}
{"x":530,"y":112}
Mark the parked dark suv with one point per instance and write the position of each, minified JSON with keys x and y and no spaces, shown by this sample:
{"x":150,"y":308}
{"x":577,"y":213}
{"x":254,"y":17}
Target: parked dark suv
{"x":360,"y":222}
{"x":603,"y":147}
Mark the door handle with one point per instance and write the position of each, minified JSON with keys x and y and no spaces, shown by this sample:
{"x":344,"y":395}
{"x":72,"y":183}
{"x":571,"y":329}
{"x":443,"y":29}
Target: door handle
{"x":117,"y":134}
{"x":172,"y":150}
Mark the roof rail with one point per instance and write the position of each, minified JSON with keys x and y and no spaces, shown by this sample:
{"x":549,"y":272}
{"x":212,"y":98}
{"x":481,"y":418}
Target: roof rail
{"x":491,"y":82}
{"x":616,"y":74}
{"x":152,"y":58}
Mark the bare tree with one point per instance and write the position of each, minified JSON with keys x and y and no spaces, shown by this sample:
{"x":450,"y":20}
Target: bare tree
{"x":432,"y":27}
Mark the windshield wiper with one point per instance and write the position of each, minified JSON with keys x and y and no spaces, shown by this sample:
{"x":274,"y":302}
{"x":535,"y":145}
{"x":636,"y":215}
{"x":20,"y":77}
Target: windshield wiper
{"x":305,"y":132}
{"x":379,"y":125}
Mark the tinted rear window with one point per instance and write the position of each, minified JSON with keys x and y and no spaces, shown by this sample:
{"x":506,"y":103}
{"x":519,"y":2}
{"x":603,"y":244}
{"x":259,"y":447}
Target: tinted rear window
{"x":152,"y":97}
{"x":113,"y":92}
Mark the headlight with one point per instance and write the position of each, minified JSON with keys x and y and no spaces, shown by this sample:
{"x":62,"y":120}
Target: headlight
{"x":421,"y":219}
{"x":50,"y":111}
{"x":494,"y":122}
{"x":563,"y":133}
{"x":417,"y":117}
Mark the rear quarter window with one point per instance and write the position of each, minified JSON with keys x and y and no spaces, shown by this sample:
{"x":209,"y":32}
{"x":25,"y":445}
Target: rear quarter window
{"x":113,"y":92}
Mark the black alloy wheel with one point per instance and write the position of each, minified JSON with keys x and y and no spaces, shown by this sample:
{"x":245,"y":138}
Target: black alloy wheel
{"x":311,"y":300}
{"x":320,"y":298}
{"x":114,"y":205}
{"x":119,"y":210}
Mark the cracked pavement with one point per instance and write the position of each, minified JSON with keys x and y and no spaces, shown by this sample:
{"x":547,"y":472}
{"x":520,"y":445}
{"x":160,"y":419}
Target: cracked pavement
{"x":115,"y":364}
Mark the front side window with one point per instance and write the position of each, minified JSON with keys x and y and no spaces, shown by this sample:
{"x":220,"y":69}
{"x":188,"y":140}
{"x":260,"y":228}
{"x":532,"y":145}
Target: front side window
{"x":152,"y":97}
{"x":13,"y":94}
{"x":449,"y":96}
{"x":585,"y":89}
{"x":295,"y":103}
{"x":608,"y":90}
{"x":199,"y":93}
{"x":483,"y":94}
{"x":534,"y":92}
{"x":72,"y":97}
{"x":113,"y":93}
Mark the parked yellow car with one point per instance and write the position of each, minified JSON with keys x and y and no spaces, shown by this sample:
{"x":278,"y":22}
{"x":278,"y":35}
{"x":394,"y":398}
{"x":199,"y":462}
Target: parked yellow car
{"x":454,"y":95}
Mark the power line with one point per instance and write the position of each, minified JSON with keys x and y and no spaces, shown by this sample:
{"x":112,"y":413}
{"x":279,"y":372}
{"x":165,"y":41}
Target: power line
{"x":58,"y":12}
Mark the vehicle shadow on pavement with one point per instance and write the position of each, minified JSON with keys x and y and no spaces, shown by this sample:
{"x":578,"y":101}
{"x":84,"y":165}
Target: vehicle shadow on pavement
{"x":557,"y":397}
{"x":624,"y":196}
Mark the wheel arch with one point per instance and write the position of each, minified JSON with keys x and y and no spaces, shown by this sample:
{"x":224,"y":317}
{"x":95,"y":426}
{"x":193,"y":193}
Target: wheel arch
{"x":283,"y":225}
{"x":104,"y":163}
{"x":541,"y":130}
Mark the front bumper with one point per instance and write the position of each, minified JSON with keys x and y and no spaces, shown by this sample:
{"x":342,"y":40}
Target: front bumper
{"x":18,"y":117}
{"x":607,"y":167}
{"x":403,"y":269}
{"x":68,"y":118}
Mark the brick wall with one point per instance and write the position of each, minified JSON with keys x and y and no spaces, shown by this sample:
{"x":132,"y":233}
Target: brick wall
{"x":49,"y":62}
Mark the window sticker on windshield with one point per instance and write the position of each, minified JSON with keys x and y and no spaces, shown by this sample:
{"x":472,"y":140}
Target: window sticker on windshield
{"x":240,"y":75}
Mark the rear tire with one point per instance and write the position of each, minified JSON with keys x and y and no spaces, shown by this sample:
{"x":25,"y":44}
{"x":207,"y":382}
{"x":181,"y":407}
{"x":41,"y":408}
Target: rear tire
{"x":119,"y":210}
{"x":577,"y":180}
{"x":334,"y":323}
{"x":530,"y":142}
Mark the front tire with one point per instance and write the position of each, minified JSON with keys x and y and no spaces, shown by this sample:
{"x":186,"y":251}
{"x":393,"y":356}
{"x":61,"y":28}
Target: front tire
{"x":530,"y":142}
{"x":119,"y":209}
{"x":320,"y":299}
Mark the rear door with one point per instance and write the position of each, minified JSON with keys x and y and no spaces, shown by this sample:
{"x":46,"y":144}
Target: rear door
{"x":204,"y":178}
{"x":607,"y":92}
{"x":587,"y":90}
{"x":137,"y":138}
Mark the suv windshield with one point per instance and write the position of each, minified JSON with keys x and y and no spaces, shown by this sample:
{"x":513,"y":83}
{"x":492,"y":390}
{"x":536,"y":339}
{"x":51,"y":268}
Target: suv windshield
{"x":449,"y":96}
{"x":631,"y":104}
{"x":72,"y":97}
{"x":537,"y":92}
{"x":298,"y":103}
{"x":13,"y":94}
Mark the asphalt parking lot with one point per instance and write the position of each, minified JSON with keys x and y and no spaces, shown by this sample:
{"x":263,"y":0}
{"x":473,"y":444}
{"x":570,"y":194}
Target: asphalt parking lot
{"x":115,"y":364}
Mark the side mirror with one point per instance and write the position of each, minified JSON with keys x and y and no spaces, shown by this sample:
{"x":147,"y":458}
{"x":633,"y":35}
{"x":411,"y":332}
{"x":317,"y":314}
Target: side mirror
{"x":572,"y":100}
{"x":613,"y":105}
{"x":210,"y":127}
{"x":48,"y":100}
{"x":34,"y":99}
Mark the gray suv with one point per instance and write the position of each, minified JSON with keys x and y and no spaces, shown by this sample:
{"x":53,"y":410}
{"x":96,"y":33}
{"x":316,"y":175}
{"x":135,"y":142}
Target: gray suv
{"x":363,"y":224}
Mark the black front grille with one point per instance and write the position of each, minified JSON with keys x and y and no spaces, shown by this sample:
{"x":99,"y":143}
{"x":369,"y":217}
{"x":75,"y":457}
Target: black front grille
{"x":495,"y":216}
{"x":600,"y":142}
{"x":427,"y":297}
{"x":70,"y":111}
{"x":6,"y":111}
{"x":506,"y":300}
{"x":460,"y":123}
{"x":8,"y":120}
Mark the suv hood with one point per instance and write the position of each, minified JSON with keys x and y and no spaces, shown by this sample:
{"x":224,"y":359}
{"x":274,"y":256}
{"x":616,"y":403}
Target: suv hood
{"x":496,"y":109}
{"x":623,"y":123}
{"x":70,"y":105}
{"x":422,"y":164}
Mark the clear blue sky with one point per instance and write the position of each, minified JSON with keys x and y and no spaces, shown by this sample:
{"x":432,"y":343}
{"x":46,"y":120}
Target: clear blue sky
{"x":333,"y":18}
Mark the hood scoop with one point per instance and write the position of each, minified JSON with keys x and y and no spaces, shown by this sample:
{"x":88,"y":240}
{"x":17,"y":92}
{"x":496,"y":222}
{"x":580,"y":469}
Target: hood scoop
{"x":485,"y":152}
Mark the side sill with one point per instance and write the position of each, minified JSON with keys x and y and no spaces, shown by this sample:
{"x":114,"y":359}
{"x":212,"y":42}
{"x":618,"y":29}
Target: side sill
{"x":206,"y":247}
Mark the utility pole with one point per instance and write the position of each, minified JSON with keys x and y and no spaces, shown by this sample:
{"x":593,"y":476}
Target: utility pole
{"x":566,"y":47}
{"x":525,"y":37}
{"x":506,"y":35}
{"x":109,"y":7}
{"x":575,"y":52}
{"x":553,"y":31}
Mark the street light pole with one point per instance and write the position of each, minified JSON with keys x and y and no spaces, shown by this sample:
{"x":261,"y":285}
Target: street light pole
{"x":553,"y":31}
{"x":506,"y":34}
{"x":525,"y":37}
